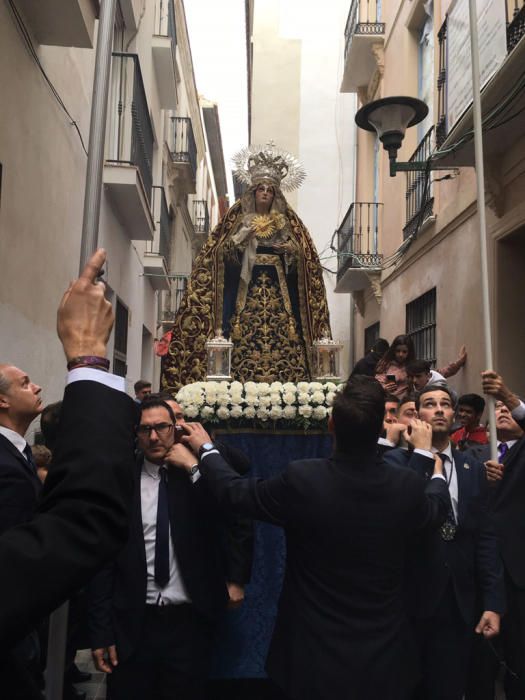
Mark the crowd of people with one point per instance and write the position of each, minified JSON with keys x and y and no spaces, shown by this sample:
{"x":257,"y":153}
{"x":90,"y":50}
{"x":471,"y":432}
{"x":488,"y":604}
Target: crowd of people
{"x":404,"y":571}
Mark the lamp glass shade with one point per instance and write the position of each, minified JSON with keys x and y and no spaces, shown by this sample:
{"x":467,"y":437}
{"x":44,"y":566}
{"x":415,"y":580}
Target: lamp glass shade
{"x":391,"y":118}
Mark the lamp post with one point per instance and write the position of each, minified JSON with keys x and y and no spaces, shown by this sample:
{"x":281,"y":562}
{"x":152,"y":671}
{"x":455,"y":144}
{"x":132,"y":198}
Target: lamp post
{"x":390,"y":117}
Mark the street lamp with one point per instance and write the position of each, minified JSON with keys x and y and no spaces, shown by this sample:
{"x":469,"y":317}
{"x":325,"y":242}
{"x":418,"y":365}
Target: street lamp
{"x":390,"y":117}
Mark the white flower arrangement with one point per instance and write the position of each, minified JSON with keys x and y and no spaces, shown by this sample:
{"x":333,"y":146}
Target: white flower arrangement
{"x":305,"y":405}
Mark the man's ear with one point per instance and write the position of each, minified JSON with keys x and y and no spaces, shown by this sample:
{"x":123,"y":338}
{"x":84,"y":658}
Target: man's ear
{"x":4,"y":401}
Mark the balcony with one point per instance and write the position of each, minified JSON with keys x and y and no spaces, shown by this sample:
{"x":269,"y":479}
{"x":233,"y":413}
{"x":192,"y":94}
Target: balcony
{"x":173,"y":299}
{"x":502,"y":98}
{"x":164,"y":45}
{"x":61,"y":22}
{"x":358,"y":260}
{"x":418,"y":196}
{"x":182,"y":167}
{"x":156,"y":261}
{"x":201,"y":218}
{"x":364,"y":34}
{"x":129,"y":152}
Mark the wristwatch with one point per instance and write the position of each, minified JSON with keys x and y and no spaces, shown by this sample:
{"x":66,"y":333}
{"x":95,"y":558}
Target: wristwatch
{"x":206,"y":447}
{"x":193,"y":470}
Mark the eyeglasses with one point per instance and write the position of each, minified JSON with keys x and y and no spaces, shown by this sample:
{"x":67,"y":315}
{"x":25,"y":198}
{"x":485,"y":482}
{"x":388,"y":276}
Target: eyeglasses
{"x":162,"y":429}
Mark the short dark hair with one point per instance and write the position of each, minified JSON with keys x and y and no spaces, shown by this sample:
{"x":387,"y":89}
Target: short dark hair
{"x":50,"y":423}
{"x":435,"y":387}
{"x":381,"y":346}
{"x":418,"y":367}
{"x":162,"y":395}
{"x":141,"y":384}
{"x":410,"y":397}
{"x":358,"y":413}
{"x":153,"y":401}
{"x":474,"y":401}
{"x":392,"y":398}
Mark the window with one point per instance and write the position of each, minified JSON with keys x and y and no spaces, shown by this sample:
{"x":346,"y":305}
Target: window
{"x":425,"y":88}
{"x":371,"y":335}
{"x":421,"y":325}
{"x":121,"y":340}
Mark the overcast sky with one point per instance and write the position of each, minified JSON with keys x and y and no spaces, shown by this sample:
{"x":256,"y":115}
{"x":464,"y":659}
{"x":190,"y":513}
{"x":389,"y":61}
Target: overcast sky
{"x":218,"y":46}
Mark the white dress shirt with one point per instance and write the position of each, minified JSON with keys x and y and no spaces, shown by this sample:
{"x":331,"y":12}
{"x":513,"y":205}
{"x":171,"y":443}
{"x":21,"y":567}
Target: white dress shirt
{"x":174,"y":592}
{"x":15,"y":439}
{"x":451,"y":478}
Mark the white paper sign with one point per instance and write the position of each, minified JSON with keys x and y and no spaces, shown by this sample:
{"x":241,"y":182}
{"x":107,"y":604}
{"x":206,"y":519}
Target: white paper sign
{"x":492,"y":52}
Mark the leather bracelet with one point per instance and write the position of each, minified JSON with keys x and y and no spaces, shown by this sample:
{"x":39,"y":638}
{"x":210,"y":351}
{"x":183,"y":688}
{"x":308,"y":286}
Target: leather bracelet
{"x":93,"y":361}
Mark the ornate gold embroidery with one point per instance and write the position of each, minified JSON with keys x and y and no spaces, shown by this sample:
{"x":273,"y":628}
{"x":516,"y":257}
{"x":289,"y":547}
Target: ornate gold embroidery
{"x":268,"y":348}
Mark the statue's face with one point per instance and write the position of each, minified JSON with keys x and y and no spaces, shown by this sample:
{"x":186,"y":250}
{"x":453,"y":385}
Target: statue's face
{"x":264,"y":195}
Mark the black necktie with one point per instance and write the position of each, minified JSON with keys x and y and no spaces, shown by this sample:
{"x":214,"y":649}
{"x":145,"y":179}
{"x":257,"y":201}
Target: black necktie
{"x":448,"y":529}
{"x":162,"y":538}
{"x":29,"y":457}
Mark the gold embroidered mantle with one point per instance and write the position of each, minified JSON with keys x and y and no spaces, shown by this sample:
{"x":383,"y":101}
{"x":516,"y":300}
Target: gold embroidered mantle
{"x":201,"y":309}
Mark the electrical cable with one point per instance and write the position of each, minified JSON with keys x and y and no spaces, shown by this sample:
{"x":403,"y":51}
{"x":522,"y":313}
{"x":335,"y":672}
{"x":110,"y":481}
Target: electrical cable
{"x":31,"y":49}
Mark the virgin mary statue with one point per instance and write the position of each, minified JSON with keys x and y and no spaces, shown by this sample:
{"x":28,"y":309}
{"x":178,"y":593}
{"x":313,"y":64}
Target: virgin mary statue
{"x":257,"y":280}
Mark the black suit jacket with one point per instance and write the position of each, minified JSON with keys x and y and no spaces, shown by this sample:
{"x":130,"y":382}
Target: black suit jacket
{"x":507,"y":505}
{"x":471,"y":560}
{"x":341,"y":626}
{"x":82,"y":519}
{"x":118,"y":594}
{"x":19,"y":487}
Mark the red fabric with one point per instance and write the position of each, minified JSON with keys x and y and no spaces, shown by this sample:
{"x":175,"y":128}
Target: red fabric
{"x":479,"y":435}
{"x":161,"y":346}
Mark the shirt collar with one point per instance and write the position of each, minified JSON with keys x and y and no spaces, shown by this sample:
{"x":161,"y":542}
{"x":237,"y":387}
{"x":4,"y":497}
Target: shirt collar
{"x":151,"y":469}
{"x":14,"y":438}
{"x":509,"y":443}
{"x":447,"y":452}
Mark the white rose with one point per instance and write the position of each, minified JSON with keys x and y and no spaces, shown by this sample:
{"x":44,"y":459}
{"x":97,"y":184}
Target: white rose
{"x":319,"y":413}
{"x":191,"y":411}
{"x":289,"y":412}
{"x":223,"y":413}
{"x":250,"y":387}
{"x":265,"y":401}
{"x":275,"y":398}
{"x":236,"y":387}
{"x":251,"y":399}
{"x":318,"y":397}
{"x":236,"y":411}
{"x":289,"y":398}
{"x":276,"y":386}
{"x":276,"y":412}
{"x":207,"y":412}
{"x":263,"y":388}
{"x":198,"y":400}
{"x":262,"y":414}
{"x":316,"y":386}
{"x":249,"y":412}
{"x":303,"y":386}
{"x":330,"y":386}
{"x":330,"y":398}
{"x":236,"y":398}
{"x":305,"y":411}
{"x":224,"y":386}
{"x":289,"y":386}
{"x":303,"y":397}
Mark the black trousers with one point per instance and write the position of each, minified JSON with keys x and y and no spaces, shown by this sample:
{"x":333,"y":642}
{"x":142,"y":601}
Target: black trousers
{"x":172,"y":660}
{"x":445,"y":643}
{"x":513,"y":640}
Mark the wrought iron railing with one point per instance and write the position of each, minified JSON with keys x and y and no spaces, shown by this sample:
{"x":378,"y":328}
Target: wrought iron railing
{"x":179,"y":284}
{"x":419,"y":199}
{"x":165,"y":20}
{"x":130,"y":134}
{"x":201,"y":217}
{"x":515,"y":22}
{"x":363,"y":18}
{"x":358,"y":237}
{"x":515,"y":13}
{"x":161,"y":245}
{"x":182,"y":147}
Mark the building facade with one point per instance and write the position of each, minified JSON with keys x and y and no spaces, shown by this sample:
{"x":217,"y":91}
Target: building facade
{"x":294,"y":57}
{"x":408,"y":245}
{"x":159,"y":198}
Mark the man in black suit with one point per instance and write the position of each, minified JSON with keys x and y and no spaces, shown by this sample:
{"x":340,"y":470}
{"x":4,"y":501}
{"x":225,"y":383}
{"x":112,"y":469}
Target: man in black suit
{"x":341,"y":629}
{"x":506,"y":477}
{"x":453,"y":563}
{"x":82,"y":516}
{"x":153,"y":611}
